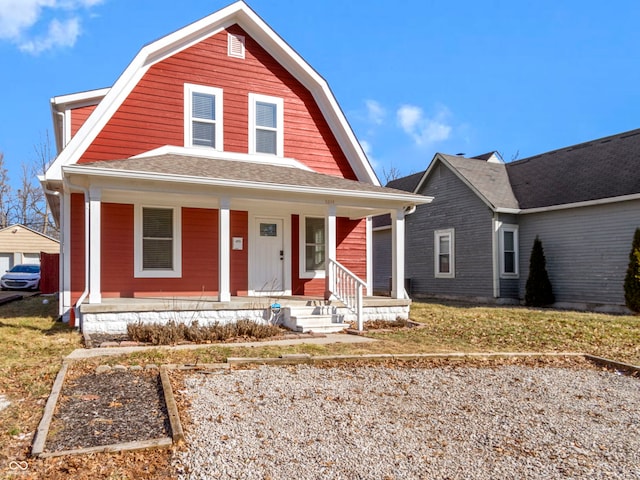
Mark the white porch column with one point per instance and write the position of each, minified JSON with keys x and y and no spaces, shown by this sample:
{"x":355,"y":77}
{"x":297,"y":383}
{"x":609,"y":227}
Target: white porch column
{"x":95,"y":291}
{"x":397,"y":253}
{"x":224,"y":264}
{"x":330,"y":242}
{"x":65,"y":255}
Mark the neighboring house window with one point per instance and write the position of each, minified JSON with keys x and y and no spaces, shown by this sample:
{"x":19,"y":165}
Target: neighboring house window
{"x":157,"y":242}
{"x":266,"y":125}
{"x":509,"y":250}
{"x":203,"y":116}
{"x":312,"y":248}
{"x":444,"y":249}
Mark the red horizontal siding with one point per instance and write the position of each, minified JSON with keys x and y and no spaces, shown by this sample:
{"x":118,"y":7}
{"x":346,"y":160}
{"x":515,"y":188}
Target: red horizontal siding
{"x":240,"y":258}
{"x":152,"y":115}
{"x":199,"y":255}
{"x":351,"y":245}
{"x":79,"y":116}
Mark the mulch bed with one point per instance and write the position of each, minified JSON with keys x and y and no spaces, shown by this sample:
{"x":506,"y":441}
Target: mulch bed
{"x":108,"y":408}
{"x":106,"y":340}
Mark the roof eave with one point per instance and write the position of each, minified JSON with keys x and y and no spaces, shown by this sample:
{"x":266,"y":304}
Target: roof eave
{"x":587,"y":203}
{"x":398,"y":199}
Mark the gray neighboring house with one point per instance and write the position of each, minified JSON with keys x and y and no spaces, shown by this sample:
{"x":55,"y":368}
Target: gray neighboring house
{"x":474,"y":240}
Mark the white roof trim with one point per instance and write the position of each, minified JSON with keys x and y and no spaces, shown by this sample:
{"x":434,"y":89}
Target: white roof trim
{"x":241,"y":14}
{"x":90,"y":97}
{"x":218,"y":155}
{"x":587,"y":203}
{"x":402,"y":198}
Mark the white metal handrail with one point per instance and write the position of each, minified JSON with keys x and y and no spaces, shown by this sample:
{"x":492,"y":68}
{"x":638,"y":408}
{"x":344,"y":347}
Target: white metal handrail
{"x":347,"y":288}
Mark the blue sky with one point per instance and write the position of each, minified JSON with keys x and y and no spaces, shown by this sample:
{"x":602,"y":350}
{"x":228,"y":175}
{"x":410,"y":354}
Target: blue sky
{"x":414,"y":77}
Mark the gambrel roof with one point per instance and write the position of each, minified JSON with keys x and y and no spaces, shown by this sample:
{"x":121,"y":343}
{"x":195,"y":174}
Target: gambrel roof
{"x":237,"y":13}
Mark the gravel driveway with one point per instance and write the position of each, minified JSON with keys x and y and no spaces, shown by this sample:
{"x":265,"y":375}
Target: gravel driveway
{"x":377,"y":422}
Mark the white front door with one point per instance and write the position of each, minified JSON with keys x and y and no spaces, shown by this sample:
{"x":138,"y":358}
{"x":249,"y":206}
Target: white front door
{"x":269,"y":255}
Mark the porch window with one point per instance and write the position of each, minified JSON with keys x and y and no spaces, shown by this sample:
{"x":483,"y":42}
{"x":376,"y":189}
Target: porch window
{"x":313,"y":248}
{"x":509,"y":250}
{"x":444,"y":256}
{"x":157,"y":242}
{"x":203,"y":116}
{"x":265,"y":125}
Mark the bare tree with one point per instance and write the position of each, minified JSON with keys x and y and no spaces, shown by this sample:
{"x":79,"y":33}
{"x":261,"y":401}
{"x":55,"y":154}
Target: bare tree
{"x":5,"y":195}
{"x":40,"y":206}
{"x":392,"y":174}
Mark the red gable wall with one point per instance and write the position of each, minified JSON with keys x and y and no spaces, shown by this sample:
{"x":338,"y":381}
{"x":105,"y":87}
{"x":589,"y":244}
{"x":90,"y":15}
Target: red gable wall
{"x":152,"y":116}
{"x":79,"y":116}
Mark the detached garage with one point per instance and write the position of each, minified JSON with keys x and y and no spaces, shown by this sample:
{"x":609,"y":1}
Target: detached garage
{"x":20,"y":244}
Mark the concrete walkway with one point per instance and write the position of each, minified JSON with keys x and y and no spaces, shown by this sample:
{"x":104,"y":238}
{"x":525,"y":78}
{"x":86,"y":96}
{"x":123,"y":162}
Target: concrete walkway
{"x":82,"y":353}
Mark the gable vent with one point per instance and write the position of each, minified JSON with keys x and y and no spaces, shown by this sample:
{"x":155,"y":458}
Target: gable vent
{"x":236,"y":45}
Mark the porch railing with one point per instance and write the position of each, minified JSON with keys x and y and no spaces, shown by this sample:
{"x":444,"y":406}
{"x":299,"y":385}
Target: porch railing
{"x":347,"y":288}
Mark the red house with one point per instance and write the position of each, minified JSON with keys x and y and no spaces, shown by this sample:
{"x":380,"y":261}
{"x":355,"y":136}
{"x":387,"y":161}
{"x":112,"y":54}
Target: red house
{"x":217,"y":169}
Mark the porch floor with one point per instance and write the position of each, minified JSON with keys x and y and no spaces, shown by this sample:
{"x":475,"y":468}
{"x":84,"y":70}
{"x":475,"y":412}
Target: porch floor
{"x":163,"y":304}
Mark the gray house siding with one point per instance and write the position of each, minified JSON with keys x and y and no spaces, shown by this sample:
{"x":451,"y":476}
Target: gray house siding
{"x":510,"y":288}
{"x":382,"y":256}
{"x":456,"y":207}
{"x":587,"y":251}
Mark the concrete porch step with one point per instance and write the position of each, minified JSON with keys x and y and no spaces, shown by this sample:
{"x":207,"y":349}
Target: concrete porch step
{"x":317,"y":323}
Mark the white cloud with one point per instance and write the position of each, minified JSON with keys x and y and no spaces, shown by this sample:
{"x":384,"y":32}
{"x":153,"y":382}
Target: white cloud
{"x":18,"y":19}
{"x":424,"y":130}
{"x":60,"y":34}
{"x":375,"y":112}
{"x":368,"y":150}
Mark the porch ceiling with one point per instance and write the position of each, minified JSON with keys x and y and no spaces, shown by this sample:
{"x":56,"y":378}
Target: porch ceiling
{"x":247,"y":180}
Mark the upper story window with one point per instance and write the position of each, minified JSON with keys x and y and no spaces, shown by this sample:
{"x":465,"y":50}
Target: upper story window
{"x":203,"y":116}
{"x":266,"y":125}
{"x":444,"y":253}
{"x":509,"y":250}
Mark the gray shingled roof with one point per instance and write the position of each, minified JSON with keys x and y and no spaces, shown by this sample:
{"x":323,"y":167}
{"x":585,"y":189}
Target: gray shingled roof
{"x":489,"y":179}
{"x":228,"y":170}
{"x":603,"y":168}
{"x":408,"y":183}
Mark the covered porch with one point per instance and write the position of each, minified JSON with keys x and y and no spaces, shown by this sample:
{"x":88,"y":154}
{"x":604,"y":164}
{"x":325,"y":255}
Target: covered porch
{"x":162,"y":233}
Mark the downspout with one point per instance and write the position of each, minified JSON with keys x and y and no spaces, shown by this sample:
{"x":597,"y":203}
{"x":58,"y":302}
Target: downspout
{"x":407,"y":211}
{"x":83,"y":296}
{"x":410,"y":210}
{"x":496,"y":259}
{"x":63,"y":140}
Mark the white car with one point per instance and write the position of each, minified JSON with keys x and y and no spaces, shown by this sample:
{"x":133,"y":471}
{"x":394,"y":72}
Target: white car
{"x":21,"y":277}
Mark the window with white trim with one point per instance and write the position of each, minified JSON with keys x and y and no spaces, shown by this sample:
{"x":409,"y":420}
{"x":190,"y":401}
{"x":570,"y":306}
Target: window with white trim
{"x":312,"y":247}
{"x":157,"y":244}
{"x":203,"y":116}
{"x":266,"y":120}
{"x":444,"y":253}
{"x":509,"y":250}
